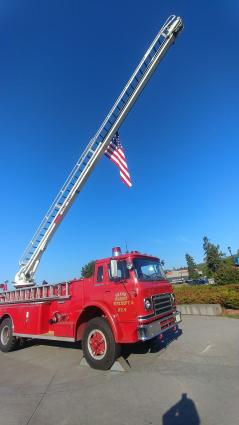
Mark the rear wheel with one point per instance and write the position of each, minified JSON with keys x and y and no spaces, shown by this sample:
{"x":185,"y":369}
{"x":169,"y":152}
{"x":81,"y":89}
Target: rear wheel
{"x":8,"y":342}
{"x":99,"y":346}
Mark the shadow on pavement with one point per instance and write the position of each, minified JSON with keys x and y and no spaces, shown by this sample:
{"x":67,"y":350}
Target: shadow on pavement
{"x":153,"y":346}
{"x":36,"y":342}
{"x":182,"y":413}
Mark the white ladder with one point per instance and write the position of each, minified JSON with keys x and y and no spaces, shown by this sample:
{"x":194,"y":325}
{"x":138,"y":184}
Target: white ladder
{"x":95,"y":149}
{"x":36,"y":293}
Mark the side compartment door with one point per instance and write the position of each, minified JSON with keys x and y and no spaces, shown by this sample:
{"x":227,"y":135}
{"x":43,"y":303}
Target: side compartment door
{"x":99,"y":282}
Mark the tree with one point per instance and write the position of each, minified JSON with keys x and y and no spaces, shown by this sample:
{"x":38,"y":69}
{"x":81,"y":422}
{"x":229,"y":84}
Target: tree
{"x":88,"y":269}
{"x":192,"y":268}
{"x":212,"y":256}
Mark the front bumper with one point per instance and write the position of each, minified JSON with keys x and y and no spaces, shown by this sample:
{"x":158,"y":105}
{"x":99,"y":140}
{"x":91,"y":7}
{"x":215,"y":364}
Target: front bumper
{"x":153,"y":329}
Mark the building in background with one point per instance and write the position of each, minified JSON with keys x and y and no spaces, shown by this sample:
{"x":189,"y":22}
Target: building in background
{"x":178,"y":276}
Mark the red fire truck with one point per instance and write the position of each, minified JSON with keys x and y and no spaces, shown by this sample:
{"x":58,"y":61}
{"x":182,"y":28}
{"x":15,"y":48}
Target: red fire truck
{"x":127,"y":299}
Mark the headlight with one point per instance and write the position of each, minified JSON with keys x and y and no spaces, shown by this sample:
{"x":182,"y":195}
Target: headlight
{"x":173,"y":298}
{"x":148,"y":305}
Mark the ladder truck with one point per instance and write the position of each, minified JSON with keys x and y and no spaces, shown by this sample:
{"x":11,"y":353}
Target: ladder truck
{"x":127,"y":299}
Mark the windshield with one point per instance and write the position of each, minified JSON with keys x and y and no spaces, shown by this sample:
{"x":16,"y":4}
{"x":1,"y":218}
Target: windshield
{"x":147,"y":269}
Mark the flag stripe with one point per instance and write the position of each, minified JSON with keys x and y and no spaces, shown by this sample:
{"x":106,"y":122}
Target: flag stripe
{"x":117,"y":162}
{"x":117,"y":153}
{"x":125,"y":179}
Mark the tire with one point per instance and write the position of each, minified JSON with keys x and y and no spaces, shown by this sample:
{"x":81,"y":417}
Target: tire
{"x":99,"y":347}
{"x":8,"y":342}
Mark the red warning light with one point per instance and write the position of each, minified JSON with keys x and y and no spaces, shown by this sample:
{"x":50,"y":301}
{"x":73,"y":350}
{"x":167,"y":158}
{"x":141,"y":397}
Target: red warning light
{"x":116,"y":251}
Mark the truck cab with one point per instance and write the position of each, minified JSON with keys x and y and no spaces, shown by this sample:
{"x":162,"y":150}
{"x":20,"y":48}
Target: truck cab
{"x":137,"y":292}
{"x":137,"y":301}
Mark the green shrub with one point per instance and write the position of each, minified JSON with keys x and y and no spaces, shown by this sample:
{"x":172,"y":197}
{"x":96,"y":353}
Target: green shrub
{"x":234,"y":286}
{"x":226,"y":274}
{"x":227,"y":296}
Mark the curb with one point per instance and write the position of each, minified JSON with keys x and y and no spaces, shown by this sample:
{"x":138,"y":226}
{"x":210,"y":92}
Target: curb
{"x":200,"y":309}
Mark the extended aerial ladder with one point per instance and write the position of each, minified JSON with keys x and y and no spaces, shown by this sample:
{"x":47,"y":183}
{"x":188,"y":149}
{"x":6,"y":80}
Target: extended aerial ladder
{"x":94,"y":150}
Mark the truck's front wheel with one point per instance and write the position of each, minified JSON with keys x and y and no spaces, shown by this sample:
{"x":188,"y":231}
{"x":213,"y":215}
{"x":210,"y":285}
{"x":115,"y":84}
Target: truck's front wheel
{"x":8,"y":342}
{"x":99,"y":346}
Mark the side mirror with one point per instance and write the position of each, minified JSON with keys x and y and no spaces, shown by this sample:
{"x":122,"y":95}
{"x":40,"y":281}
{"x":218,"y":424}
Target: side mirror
{"x":113,"y":269}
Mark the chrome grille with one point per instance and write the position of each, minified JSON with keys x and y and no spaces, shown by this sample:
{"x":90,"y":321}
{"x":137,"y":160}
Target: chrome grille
{"x":162,"y":303}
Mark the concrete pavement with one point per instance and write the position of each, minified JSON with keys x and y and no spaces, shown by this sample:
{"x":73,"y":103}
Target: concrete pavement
{"x":192,"y":380}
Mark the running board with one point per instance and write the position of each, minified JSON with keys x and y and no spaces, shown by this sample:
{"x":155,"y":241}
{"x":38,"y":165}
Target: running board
{"x":42,"y":336}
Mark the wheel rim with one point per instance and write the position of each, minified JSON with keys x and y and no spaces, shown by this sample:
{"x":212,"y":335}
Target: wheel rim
{"x":97,"y":344}
{"x":5,"y":335}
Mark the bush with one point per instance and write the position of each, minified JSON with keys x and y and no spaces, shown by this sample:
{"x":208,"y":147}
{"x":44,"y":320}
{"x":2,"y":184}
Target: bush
{"x":226,"y":274}
{"x":227,"y":296}
{"x":235,"y":287}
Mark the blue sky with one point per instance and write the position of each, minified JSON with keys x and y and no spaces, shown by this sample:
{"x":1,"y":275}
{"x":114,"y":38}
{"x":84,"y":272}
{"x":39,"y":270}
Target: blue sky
{"x":63,"y":63}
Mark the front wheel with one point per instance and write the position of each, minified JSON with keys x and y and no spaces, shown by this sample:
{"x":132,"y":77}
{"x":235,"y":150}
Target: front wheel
{"x":8,"y":342}
{"x":99,"y":346}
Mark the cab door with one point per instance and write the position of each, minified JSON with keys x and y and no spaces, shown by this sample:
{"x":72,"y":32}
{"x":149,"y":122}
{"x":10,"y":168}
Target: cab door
{"x":119,"y":293}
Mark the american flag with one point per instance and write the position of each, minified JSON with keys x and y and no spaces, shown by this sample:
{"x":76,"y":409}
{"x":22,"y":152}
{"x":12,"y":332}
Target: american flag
{"x":116,"y":154}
